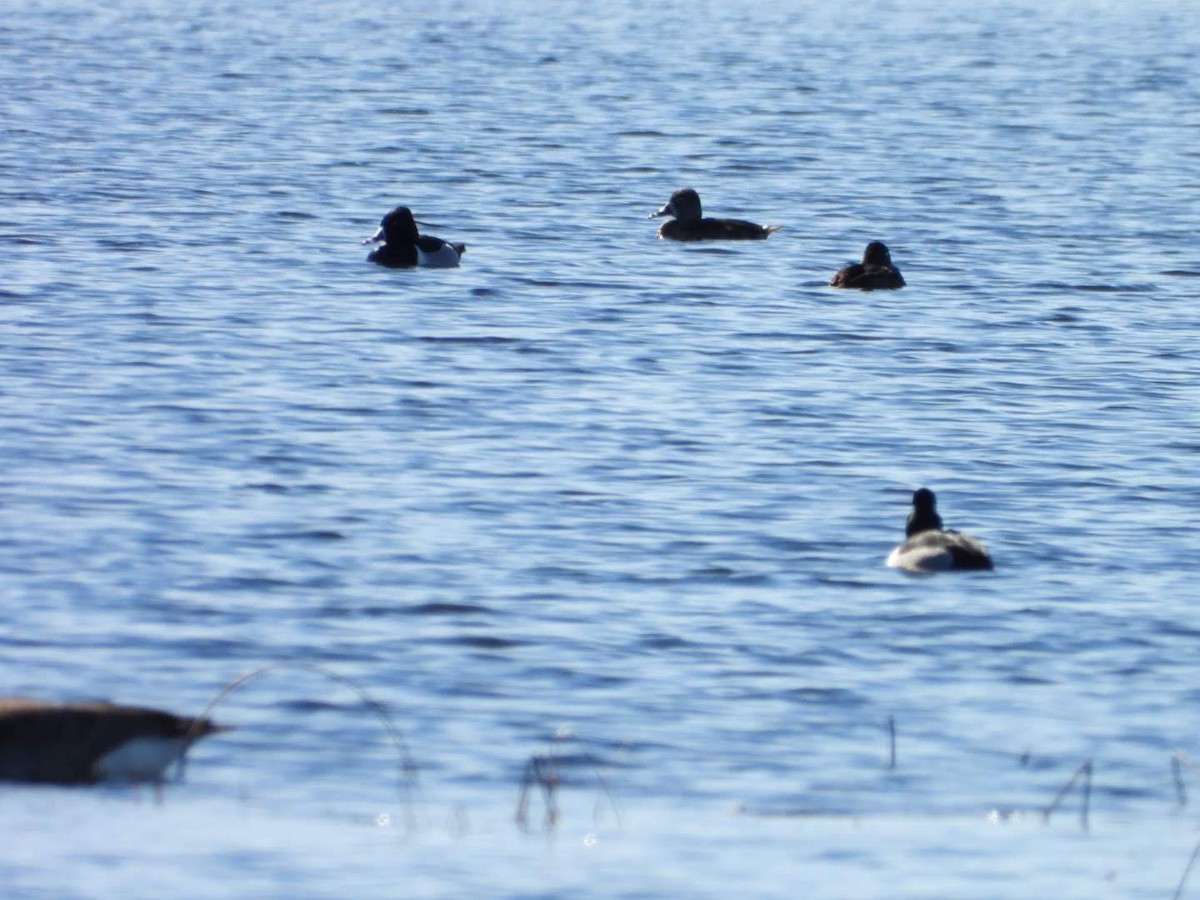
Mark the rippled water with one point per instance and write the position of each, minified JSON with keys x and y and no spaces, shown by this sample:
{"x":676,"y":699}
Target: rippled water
{"x":631,"y":493}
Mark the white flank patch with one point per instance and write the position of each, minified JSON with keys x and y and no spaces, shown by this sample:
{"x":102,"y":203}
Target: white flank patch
{"x":921,"y":559}
{"x":139,"y":759}
{"x":445,"y":257}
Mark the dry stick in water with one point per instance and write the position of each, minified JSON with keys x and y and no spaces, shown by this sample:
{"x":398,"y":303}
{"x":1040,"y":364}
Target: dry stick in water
{"x":542,"y":771}
{"x":408,"y":768}
{"x":609,"y":796}
{"x":1186,"y":871}
{"x":1085,"y":769}
{"x":1179,"y":759}
{"x":891,"y":742}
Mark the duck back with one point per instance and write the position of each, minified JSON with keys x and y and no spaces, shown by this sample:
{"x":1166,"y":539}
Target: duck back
{"x":715,"y":230}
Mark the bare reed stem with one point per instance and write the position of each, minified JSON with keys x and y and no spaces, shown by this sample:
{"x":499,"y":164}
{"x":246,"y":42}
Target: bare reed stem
{"x":543,"y":771}
{"x":891,"y":742}
{"x":1179,"y":759}
{"x":1186,"y":870}
{"x":1084,"y":770}
{"x":408,"y":768}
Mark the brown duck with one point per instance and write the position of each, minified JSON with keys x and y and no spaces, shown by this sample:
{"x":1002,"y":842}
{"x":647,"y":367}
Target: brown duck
{"x":875,"y":272}
{"x":688,"y":222}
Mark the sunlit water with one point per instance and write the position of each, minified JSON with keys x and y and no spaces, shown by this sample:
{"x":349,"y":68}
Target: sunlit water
{"x":631,"y":493}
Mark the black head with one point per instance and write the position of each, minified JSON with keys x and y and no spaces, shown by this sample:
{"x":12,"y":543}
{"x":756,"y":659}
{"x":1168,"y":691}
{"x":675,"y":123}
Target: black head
{"x":924,"y":515}
{"x":877,"y":254}
{"x":397,"y":227}
{"x":684,"y":205}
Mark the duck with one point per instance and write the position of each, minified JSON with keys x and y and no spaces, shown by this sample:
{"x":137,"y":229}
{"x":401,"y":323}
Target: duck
{"x":875,"y":272}
{"x":689,"y":223}
{"x":88,"y":742}
{"x":404,"y":248}
{"x":929,"y":547}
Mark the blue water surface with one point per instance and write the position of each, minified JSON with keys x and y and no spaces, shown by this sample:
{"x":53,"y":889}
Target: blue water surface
{"x":615,"y":505}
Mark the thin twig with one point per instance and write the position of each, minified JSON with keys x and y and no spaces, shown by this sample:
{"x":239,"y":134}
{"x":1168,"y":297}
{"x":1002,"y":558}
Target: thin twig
{"x":1084,"y":769}
{"x":408,"y":768}
{"x":1179,"y":759}
{"x":542,"y":771}
{"x":1186,"y":871}
{"x":612,"y":802}
{"x":891,"y":742}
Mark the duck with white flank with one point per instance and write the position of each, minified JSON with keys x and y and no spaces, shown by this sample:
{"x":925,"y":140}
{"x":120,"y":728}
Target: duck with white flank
{"x":82,"y":743}
{"x":875,"y":272}
{"x":689,"y":223}
{"x":930,"y":548}
{"x":404,"y":248}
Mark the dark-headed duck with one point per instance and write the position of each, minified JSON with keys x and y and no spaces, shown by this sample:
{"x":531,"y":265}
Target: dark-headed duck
{"x":875,"y":272}
{"x":403,"y":247}
{"x":930,"y":548}
{"x":689,"y":224}
{"x":81,"y":743}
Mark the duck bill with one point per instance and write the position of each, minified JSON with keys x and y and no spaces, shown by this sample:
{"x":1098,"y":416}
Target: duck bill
{"x":376,"y":237}
{"x":665,"y":211}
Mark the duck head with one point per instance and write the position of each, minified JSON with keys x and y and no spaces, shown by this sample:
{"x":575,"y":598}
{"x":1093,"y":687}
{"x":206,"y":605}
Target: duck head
{"x":684,"y":206}
{"x":924,"y":515}
{"x":877,"y":254}
{"x":397,"y":227}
